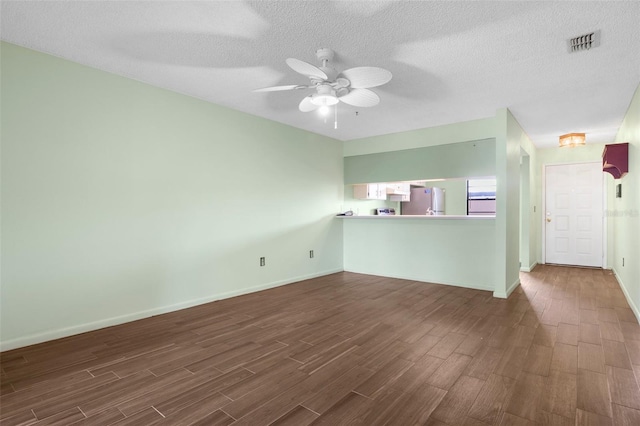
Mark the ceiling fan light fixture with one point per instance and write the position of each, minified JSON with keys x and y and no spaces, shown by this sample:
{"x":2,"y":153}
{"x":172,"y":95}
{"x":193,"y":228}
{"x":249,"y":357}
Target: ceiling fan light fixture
{"x":324,"y":100}
{"x":572,"y":139}
{"x":324,"y":110}
{"x":326,"y":96}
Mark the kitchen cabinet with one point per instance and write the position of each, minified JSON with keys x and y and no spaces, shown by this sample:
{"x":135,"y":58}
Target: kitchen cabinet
{"x":399,"y":191}
{"x":398,"y":188}
{"x":400,"y":197}
{"x":370,"y":191}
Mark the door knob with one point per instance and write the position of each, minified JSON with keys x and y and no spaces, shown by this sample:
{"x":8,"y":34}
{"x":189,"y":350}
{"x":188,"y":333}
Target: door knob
{"x":548,"y":219}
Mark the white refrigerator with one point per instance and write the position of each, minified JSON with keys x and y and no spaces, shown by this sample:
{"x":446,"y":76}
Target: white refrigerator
{"x":424,"y":201}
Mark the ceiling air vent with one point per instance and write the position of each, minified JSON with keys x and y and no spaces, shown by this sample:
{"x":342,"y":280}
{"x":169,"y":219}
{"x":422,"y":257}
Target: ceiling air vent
{"x":584,"y":42}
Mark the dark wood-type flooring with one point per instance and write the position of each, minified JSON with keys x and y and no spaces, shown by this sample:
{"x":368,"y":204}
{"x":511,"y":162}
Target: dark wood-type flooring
{"x":564,"y":349}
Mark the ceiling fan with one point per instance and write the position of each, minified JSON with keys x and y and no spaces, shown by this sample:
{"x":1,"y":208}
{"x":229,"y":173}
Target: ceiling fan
{"x":351,"y":86}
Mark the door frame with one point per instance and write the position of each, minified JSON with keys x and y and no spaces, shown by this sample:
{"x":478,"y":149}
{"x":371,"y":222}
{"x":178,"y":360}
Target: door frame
{"x":605,"y":239}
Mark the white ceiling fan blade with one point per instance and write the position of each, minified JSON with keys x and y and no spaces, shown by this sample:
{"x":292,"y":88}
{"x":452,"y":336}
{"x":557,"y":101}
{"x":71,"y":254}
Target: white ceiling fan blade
{"x":306,"y":68}
{"x":279,"y":88}
{"x":365,"y":77}
{"x":306,"y":105}
{"x":361,"y":98}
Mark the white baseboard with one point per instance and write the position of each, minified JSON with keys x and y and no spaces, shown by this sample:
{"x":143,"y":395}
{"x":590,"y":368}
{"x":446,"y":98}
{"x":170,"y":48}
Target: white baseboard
{"x":529,"y":268}
{"x":108,"y":322}
{"x":505,"y":295}
{"x":632,"y":305}
{"x":413,"y":278}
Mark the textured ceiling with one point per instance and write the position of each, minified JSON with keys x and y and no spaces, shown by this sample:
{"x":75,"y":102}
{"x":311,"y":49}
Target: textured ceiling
{"x":451,"y":61}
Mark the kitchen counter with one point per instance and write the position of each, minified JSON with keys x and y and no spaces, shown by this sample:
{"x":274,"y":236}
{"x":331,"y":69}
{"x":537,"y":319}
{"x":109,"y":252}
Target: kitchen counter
{"x":428,"y":217}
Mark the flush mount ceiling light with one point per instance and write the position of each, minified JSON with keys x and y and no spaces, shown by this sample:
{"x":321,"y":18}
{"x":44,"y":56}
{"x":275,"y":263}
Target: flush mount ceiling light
{"x":572,"y":139}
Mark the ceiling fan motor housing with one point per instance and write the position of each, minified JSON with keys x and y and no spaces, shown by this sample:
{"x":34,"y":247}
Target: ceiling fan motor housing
{"x":325,"y":54}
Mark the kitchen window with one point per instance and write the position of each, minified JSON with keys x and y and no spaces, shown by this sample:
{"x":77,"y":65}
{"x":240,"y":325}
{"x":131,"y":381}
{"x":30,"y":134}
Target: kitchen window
{"x":481,"y":197}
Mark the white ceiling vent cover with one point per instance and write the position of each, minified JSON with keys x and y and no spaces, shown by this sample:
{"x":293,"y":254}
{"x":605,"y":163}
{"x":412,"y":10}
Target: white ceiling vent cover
{"x":584,"y":42}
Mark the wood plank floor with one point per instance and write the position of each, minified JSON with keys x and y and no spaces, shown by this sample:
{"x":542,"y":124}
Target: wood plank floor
{"x":564,"y":349}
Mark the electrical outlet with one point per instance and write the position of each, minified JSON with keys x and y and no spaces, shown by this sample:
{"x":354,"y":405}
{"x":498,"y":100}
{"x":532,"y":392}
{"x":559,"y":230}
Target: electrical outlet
{"x":310,"y":254}
{"x":262,"y":262}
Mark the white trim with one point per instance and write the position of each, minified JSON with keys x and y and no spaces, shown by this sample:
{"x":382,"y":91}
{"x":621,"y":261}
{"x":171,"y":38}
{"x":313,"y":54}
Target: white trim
{"x":108,"y":322}
{"x":510,"y":290}
{"x":605,"y":223}
{"x":543,"y":213}
{"x":414,"y":278}
{"x":632,"y":305}
{"x":543,"y":216}
{"x":529,"y":268}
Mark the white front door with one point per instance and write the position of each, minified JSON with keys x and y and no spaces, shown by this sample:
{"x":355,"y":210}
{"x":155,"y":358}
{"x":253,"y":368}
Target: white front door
{"x":573,"y":216}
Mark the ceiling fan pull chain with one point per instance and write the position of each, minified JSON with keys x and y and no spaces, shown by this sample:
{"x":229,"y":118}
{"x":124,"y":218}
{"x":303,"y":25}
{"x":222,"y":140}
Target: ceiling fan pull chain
{"x":335,"y":123}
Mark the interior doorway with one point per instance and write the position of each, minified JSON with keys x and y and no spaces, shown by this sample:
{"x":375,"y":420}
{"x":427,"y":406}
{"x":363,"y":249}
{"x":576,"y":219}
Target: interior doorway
{"x":573,"y":214}
{"x":527,"y":255}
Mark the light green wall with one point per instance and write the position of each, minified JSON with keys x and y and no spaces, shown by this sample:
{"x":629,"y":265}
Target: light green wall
{"x":464,"y":159}
{"x":588,"y":152}
{"x":121,"y":200}
{"x":509,"y":136}
{"x":438,"y":250}
{"x":422,"y":249}
{"x":529,"y":207}
{"x":625,"y":211}
{"x":525,"y":190}
{"x":494,"y":152}
{"x":431,"y":136}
